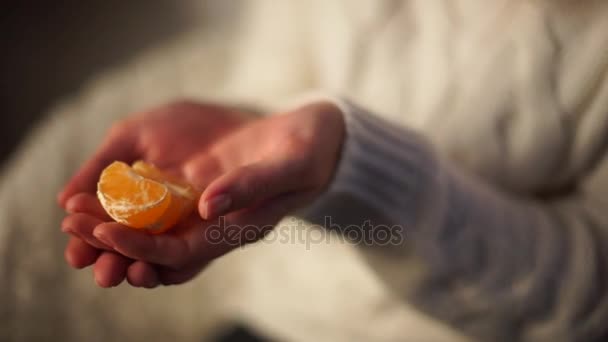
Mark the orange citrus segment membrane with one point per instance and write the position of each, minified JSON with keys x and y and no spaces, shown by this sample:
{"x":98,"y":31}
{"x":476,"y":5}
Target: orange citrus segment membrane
{"x":143,"y":197}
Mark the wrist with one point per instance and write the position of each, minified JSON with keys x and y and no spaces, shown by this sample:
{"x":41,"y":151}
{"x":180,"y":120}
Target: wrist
{"x":331,"y":128}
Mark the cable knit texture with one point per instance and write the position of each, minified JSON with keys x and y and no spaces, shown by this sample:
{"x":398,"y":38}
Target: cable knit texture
{"x":499,"y":262}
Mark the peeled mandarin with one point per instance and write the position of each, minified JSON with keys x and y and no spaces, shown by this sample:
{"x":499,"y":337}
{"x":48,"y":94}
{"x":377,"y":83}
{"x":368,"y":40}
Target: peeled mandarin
{"x":143,"y":197}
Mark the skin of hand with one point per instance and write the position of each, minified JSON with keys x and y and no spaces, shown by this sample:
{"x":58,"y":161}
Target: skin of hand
{"x":254,"y":171}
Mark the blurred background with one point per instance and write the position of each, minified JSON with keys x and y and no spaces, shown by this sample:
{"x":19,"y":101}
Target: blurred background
{"x":51,"y":48}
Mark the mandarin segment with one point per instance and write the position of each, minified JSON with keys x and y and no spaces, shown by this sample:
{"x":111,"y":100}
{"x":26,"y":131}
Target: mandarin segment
{"x":143,"y":197}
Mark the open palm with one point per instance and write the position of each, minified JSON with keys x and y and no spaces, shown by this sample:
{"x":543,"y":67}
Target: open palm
{"x":174,"y":137}
{"x":253,"y":173}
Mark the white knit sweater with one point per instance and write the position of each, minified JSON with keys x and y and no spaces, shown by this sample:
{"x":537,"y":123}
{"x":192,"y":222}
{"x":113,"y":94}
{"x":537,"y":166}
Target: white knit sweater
{"x":480,"y":126}
{"x":501,"y":188}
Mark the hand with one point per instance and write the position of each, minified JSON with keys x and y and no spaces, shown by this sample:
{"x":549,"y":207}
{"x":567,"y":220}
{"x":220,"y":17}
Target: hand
{"x":268,"y":168}
{"x":172,"y":137}
{"x":282,"y":161}
{"x":151,"y":136}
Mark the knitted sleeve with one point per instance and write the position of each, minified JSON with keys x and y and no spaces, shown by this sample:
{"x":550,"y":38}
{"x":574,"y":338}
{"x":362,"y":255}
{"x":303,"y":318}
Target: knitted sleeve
{"x":499,"y":263}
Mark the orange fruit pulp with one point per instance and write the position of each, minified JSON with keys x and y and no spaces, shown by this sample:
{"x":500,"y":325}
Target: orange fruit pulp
{"x":143,"y":197}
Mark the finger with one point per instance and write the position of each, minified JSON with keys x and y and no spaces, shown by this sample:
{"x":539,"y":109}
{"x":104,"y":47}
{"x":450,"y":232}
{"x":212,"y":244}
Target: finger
{"x":119,"y":145}
{"x":237,"y":229}
{"x":255,"y":224}
{"x":142,"y":274}
{"x":226,"y":233}
{"x":82,"y":226}
{"x":88,"y":204}
{"x":80,"y":254}
{"x":251,"y":184}
{"x":163,"y":249}
{"x":110,"y":269}
{"x":174,"y":277}
{"x":201,"y":170}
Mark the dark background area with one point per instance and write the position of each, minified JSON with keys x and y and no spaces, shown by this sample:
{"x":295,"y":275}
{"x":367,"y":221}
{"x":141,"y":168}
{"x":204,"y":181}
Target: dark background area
{"x":50,"y":48}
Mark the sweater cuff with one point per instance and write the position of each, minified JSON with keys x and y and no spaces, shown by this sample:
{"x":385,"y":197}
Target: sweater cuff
{"x":386,"y":167}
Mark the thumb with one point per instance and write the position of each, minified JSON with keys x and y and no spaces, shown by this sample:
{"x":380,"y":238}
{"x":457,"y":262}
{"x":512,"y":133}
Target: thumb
{"x":248,"y":185}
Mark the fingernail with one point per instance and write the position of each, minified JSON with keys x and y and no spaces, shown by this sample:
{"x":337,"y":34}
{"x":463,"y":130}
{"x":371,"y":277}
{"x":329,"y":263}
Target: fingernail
{"x":217,"y":206}
{"x":101,"y":237}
